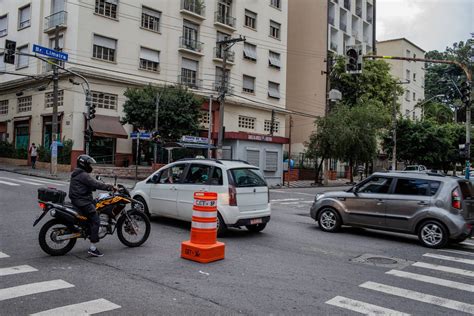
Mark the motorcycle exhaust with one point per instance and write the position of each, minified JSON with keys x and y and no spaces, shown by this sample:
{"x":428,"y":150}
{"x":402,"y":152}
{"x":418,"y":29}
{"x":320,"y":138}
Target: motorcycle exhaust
{"x":69,"y":236}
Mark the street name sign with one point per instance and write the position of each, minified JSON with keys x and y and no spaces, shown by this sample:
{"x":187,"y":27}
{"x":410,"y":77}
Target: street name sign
{"x":136,"y":135}
{"x":50,"y":52}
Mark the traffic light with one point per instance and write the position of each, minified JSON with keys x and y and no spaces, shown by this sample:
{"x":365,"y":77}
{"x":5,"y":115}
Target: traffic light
{"x":466,"y":92}
{"x":9,"y":56}
{"x":354,"y":59}
{"x":91,"y":111}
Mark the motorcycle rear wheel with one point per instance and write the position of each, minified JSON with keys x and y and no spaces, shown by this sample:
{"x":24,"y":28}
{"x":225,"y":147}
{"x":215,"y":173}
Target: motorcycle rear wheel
{"x":47,"y":242}
{"x":125,"y":230}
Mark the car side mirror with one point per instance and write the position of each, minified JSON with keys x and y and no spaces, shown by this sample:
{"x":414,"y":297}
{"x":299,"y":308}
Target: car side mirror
{"x":154,"y":179}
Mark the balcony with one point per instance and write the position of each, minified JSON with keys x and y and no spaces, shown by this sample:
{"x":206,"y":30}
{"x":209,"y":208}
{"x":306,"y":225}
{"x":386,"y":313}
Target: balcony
{"x":219,"y":55}
{"x":190,"y":82}
{"x":190,"y":46}
{"x":58,"y":18}
{"x":217,"y":86}
{"x":225,"y":21}
{"x":194,"y":8}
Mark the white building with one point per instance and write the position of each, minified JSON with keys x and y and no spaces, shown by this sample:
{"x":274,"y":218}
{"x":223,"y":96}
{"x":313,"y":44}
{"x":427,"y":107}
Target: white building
{"x":123,"y":43}
{"x":351,"y":22}
{"x":412,"y":74}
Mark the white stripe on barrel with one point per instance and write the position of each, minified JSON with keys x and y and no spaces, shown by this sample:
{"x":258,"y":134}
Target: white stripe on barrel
{"x":212,"y":214}
{"x":212,"y":225}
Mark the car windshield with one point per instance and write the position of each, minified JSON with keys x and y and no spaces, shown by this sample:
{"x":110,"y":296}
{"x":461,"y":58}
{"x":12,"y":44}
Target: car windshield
{"x":247,"y":177}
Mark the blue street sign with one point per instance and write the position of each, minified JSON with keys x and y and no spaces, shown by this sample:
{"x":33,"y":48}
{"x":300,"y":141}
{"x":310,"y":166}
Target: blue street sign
{"x":135,"y":135}
{"x":49,"y":52}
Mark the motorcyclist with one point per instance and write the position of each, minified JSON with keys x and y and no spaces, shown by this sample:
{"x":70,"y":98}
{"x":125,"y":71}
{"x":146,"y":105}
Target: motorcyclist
{"x":80,"y":192}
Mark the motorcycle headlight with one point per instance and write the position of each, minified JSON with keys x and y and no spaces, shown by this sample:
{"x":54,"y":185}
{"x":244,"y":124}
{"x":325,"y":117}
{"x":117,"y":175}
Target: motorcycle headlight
{"x":53,"y":212}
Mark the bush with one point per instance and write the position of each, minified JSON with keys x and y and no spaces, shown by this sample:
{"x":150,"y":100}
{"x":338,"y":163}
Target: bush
{"x":43,"y":154}
{"x":6,"y":149}
{"x":21,"y":153}
{"x":64,"y":154}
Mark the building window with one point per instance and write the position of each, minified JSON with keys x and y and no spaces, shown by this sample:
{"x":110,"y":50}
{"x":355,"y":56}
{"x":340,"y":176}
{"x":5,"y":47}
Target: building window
{"x":267,"y":126}
{"x":407,"y":95}
{"x":3,"y":66}
{"x":253,"y":157}
{"x":275,"y":29}
{"x":414,"y":76}
{"x":106,"y":8}
{"x":271,"y":161}
{"x":275,"y":3}
{"x":48,"y":99}
{"x":24,"y":17}
{"x":250,"y":51}
{"x":407,"y":76}
{"x":4,"y":107}
{"x":24,"y":104}
{"x":149,"y":59}
{"x":414,"y":96}
{"x":250,"y":19}
{"x":273,"y":90}
{"x":3,"y":25}
{"x":274,"y":59}
{"x":414,"y":55}
{"x":247,"y":122}
{"x":414,"y":115}
{"x":151,"y":19}
{"x":189,"y":70}
{"x":190,"y":36}
{"x":204,"y":119}
{"x":104,"y":100}
{"x":248,"y":84}
{"x":408,"y":54}
{"x":104,"y":48}
{"x":22,"y":60}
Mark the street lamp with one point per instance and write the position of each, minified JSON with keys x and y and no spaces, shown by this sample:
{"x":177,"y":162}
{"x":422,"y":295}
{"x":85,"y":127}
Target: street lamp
{"x":420,"y":105}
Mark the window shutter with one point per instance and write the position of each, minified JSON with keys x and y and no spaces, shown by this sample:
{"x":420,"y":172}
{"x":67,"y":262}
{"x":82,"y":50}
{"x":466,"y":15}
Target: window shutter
{"x":190,"y":64}
{"x":105,"y":42}
{"x":58,"y":6}
{"x":3,"y":23}
{"x":271,"y":161}
{"x":274,"y":59}
{"x":253,"y":157}
{"x":25,"y":14}
{"x":22,"y":59}
{"x":112,"y":1}
{"x":149,"y":54}
{"x":250,"y":51}
{"x":273,"y":90}
{"x":248,"y":83}
{"x":251,"y":14}
{"x":151,"y":12}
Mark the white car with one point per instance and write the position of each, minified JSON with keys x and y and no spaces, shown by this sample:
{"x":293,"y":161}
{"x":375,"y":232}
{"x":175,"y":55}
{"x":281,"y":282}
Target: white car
{"x":243,"y":195}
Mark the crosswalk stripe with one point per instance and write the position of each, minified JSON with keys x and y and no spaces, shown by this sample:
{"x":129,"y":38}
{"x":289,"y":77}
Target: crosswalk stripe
{"x":443,"y":268}
{"x":468,"y":242}
{"x":420,"y":297}
{"x":9,"y":183}
{"x":16,"y":270}
{"x":22,"y":181}
{"x":459,"y":252}
{"x":45,"y":181}
{"x":33,"y":288}
{"x":283,"y":200}
{"x":3,"y":255}
{"x":86,"y":308}
{"x":432,"y":280}
{"x":362,"y":307}
{"x":449,"y":258}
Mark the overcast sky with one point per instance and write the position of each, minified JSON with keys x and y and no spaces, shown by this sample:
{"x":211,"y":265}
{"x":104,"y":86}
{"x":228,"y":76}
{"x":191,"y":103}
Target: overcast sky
{"x":430,"y":24}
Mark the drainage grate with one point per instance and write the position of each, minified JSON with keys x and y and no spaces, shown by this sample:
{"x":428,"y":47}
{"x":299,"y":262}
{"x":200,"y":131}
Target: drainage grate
{"x":381,"y":261}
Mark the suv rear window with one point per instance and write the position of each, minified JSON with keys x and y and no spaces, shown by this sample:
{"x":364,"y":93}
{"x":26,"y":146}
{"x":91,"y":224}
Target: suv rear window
{"x":247,"y":177}
{"x":416,"y":187}
{"x":466,"y":189}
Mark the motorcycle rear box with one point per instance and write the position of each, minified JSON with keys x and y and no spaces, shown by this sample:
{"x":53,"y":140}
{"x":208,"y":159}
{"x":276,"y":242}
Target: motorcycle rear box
{"x":51,"y":195}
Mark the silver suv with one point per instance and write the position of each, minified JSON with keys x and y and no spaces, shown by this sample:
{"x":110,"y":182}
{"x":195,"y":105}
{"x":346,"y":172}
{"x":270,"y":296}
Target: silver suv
{"x":436,"y":208}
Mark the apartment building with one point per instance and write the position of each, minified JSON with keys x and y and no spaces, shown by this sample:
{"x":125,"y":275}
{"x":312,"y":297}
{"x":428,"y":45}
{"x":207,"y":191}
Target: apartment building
{"x":412,"y":74}
{"x":117,"y":44}
{"x":351,"y":22}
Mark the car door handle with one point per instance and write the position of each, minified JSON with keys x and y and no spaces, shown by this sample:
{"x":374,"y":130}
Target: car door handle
{"x":380,"y":202}
{"x":422,"y":203}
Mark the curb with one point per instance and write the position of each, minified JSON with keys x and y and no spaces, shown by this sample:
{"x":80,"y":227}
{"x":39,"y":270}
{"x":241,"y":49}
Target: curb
{"x":311,"y":186}
{"x":27,"y":173}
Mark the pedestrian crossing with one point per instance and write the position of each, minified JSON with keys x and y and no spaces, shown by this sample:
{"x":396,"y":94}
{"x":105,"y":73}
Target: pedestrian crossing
{"x":444,"y":271}
{"x":293,"y":202}
{"x":24,"y":290}
{"x":29,"y":181}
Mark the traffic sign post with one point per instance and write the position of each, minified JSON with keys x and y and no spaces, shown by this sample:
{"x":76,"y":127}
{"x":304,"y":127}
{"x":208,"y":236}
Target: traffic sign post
{"x":138,"y":136}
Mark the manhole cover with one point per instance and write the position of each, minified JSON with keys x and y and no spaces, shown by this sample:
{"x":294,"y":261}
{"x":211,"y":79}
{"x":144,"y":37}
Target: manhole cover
{"x":381,"y":260}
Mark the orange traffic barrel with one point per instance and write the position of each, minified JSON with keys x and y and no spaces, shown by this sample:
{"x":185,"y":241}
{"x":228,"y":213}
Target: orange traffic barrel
{"x":203,"y":245}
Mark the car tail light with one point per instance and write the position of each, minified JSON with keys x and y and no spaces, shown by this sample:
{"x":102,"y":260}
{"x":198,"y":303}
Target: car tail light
{"x":232,"y":195}
{"x":456,"y":199}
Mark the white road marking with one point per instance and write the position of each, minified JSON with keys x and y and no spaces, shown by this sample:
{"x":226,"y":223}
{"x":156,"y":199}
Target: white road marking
{"x":289,"y":203}
{"x":467,"y":242}
{"x":432,"y":280}
{"x":290,"y":192}
{"x":283,"y":200}
{"x":3,"y":255}
{"x":443,"y":268}
{"x":33,"y":288}
{"x":459,"y":252}
{"x":449,"y":258}
{"x":22,"y":181}
{"x":362,"y":307}
{"x":86,"y":308}
{"x":9,"y":183}
{"x":46,"y":181}
{"x":420,"y":297}
{"x":16,"y":270}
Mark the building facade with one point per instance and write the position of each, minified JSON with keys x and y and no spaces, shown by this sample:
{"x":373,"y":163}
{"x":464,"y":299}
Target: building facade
{"x":412,"y":74}
{"x":117,"y":44}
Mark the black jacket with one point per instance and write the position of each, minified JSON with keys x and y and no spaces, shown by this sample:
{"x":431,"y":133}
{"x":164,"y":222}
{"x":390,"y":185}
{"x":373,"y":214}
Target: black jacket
{"x":81,"y":187}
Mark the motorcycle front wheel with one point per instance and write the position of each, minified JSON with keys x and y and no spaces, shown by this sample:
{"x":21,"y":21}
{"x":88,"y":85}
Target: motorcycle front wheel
{"x":48,"y":238}
{"x":133,"y":232}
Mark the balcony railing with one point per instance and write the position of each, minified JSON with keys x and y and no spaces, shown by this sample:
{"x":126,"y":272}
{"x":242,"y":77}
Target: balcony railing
{"x":58,"y":18}
{"x":224,"y":19}
{"x":331,"y":20}
{"x":194,"y":6}
{"x":359,"y":11}
{"x":190,"y":44}
{"x":343,"y":27}
{"x":190,"y":82}
{"x":219,"y":54}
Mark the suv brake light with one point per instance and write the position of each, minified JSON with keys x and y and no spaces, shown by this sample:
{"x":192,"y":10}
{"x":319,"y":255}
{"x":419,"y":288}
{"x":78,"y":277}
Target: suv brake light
{"x":232,"y":195}
{"x":456,"y":199}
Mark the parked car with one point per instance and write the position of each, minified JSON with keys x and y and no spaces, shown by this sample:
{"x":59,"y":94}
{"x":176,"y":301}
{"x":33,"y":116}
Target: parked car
{"x":415,"y":168}
{"x":243,"y":195}
{"x":436,"y":208}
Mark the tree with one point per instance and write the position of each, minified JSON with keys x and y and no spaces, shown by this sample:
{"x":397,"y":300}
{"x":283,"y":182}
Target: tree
{"x":179,"y":110}
{"x":438,"y":112}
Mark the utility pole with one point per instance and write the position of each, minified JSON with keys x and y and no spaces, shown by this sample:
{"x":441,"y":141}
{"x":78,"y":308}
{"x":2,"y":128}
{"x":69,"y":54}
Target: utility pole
{"x":157,"y":107}
{"x":394,"y":129}
{"x":209,"y":131}
{"x":272,"y":123}
{"x":289,"y":151}
{"x":54,"y":128}
{"x":226,"y":44}
{"x":328,"y":105}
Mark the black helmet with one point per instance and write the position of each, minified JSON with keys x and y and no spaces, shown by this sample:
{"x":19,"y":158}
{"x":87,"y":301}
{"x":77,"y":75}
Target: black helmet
{"x":85,"y":162}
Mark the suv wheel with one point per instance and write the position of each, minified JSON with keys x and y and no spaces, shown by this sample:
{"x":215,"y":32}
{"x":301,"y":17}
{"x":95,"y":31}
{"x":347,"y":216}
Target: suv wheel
{"x":221,"y":226}
{"x":433,"y":234}
{"x":142,"y":200}
{"x":329,"y":220}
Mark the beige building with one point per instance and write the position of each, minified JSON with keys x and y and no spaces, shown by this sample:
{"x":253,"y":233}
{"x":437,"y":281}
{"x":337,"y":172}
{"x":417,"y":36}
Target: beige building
{"x":123,"y":43}
{"x":406,"y":71}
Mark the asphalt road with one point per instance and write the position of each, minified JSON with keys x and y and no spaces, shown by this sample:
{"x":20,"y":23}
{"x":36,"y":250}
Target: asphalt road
{"x":290,"y":268}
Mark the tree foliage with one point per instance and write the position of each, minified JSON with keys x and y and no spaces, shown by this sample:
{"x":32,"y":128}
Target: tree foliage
{"x":179,"y":110}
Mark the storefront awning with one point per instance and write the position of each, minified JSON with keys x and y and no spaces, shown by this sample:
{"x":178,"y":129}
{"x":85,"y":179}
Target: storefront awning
{"x":188,"y":145}
{"x":108,"y":126}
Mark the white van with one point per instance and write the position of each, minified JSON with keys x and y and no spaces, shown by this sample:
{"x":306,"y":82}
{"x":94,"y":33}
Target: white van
{"x":243,"y":195}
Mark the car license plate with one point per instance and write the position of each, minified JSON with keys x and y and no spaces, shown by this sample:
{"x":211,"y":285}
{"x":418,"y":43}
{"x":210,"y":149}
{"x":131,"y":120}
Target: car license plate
{"x":255,"y":221}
